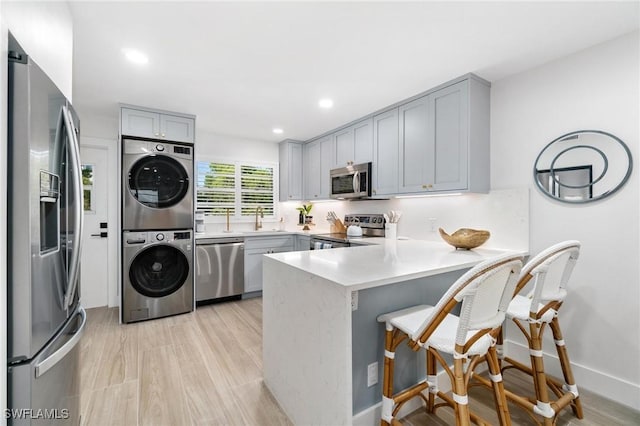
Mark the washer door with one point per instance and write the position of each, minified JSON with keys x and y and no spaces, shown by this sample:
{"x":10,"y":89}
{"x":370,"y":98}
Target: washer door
{"x":158,"y":181}
{"x":158,"y":271}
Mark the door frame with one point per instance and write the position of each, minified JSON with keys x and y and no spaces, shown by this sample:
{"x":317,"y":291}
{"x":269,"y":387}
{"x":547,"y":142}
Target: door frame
{"x":110,"y":146}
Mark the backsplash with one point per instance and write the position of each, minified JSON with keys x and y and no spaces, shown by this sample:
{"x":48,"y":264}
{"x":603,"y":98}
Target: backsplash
{"x":505,"y":213}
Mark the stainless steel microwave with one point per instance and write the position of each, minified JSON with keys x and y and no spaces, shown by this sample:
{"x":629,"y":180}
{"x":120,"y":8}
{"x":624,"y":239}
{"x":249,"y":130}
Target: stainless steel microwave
{"x":353,"y":181}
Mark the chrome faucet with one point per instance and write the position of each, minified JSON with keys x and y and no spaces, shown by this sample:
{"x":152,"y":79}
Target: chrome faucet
{"x":259,"y":211}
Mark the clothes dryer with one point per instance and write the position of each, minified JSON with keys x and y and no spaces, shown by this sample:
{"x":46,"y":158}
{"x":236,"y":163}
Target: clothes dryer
{"x":157,"y":185}
{"x":158,"y":275}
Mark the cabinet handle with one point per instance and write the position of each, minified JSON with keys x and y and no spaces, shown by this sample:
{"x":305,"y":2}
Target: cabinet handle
{"x":427,"y":186}
{"x":290,"y":196}
{"x":157,"y":134}
{"x":162,"y":135}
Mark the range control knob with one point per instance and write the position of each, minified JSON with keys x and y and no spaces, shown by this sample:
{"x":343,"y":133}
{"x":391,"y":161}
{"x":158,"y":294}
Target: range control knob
{"x":160,"y":237}
{"x":159,"y":147}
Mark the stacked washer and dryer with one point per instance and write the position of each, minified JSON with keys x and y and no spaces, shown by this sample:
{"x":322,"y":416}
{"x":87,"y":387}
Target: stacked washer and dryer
{"x":157,"y":229}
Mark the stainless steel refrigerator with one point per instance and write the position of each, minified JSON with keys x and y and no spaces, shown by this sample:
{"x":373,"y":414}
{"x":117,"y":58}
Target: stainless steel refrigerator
{"x":45,"y":319}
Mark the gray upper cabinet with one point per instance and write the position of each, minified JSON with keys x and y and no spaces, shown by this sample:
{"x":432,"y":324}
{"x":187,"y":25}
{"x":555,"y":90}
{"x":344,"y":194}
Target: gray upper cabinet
{"x":318,"y":162}
{"x":414,"y":148}
{"x":290,"y":153}
{"x":444,"y":140}
{"x":434,"y":142}
{"x":354,"y":144}
{"x":326,"y":164}
{"x":385,"y":153}
{"x":157,"y":125}
{"x":311,"y":152}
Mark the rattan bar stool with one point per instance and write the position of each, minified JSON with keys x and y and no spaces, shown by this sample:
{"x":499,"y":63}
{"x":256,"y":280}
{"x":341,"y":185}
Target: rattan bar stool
{"x":550,"y":271}
{"x":484,"y":293}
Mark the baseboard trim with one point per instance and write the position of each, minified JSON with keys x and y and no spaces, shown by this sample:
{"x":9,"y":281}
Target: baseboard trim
{"x":371,"y":416}
{"x":594,"y":381}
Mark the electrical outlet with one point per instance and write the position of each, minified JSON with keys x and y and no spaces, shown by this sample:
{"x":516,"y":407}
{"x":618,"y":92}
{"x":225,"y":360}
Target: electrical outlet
{"x":354,"y":300}
{"x":432,"y":223}
{"x":372,"y":374}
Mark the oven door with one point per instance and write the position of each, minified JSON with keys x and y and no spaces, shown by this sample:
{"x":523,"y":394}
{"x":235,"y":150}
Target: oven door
{"x":322,"y":243}
{"x":351,"y":181}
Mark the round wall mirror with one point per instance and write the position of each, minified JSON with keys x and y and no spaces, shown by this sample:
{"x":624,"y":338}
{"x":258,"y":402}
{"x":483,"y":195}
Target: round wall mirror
{"x":583,"y":166}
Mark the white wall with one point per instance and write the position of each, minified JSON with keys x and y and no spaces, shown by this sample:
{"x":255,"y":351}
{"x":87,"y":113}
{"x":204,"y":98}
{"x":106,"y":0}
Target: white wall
{"x":209,"y":144}
{"x":45,"y":31}
{"x":597,"y":88}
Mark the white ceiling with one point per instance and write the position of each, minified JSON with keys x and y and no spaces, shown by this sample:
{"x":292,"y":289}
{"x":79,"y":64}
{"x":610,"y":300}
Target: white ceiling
{"x":244,"y":68}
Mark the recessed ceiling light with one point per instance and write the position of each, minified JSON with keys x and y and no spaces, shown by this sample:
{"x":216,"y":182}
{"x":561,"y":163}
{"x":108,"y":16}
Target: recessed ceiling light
{"x":277,"y":130}
{"x":325,"y":103}
{"x":135,"y":56}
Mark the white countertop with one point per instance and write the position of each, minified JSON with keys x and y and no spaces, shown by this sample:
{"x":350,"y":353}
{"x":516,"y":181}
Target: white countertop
{"x":385,"y":261}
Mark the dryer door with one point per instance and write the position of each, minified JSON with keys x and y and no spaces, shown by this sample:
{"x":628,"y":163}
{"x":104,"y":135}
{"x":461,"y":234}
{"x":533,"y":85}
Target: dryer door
{"x":159,"y":271}
{"x":158,"y":181}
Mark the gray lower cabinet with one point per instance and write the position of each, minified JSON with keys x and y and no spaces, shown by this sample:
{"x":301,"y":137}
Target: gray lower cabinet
{"x":255,"y":248}
{"x":444,"y":140}
{"x":290,"y":156}
{"x":303,"y":242}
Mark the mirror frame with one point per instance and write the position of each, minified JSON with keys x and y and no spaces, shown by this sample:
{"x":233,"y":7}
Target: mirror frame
{"x":590,"y":185}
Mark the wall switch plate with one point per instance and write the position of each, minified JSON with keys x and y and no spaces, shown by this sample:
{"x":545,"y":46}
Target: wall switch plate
{"x":372,"y":374}
{"x":354,"y":300}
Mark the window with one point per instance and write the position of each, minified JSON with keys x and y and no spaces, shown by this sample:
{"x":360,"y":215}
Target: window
{"x":87,"y":187}
{"x":239,"y":187}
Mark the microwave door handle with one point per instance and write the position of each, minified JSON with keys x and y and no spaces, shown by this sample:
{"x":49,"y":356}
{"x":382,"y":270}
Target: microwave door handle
{"x":356,"y":182}
{"x":74,"y":150}
{"x":46,"y":364}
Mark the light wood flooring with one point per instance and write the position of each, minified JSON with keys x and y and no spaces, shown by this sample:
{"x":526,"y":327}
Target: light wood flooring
{"x":205,"y":368}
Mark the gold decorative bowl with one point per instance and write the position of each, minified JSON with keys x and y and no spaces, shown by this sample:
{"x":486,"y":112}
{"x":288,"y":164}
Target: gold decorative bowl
{"x":465,"y":238}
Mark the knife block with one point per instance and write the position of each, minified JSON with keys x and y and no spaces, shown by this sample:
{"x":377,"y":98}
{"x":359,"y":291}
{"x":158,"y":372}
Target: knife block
{"x":338,"y":227}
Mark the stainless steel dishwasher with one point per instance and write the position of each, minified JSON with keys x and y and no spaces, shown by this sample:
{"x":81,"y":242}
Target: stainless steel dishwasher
{"x":219,"y":268}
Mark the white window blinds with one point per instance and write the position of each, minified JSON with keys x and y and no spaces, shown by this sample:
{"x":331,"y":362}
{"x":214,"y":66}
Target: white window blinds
{"x":238,"y":186}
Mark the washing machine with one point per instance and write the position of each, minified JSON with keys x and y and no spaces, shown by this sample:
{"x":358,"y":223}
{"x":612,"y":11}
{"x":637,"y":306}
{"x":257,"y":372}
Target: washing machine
{"x":157,"y":274}
{"x":157,"y":180}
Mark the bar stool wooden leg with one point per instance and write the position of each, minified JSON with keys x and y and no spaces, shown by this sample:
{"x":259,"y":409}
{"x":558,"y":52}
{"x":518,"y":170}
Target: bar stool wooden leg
{"x":563,"y":355}
{"x":500,"y":346}
{"x":387,"y":384}
{"x":543,"y":407}
{"x":432,"y":378}
{"x":460,"y":397}
{"x":499,"y":395}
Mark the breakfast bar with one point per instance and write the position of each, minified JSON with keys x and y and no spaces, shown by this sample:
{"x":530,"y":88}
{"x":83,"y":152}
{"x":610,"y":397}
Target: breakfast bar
{"x":321,"y":338}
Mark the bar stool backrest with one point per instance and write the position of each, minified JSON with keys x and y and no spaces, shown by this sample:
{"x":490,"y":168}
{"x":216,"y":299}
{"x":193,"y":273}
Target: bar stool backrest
{"x":484,"y":291}
{"x":550,"y":271}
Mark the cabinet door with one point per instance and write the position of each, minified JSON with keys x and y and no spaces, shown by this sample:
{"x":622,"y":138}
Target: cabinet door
{"x":343,"y":140}
{"x":385,"y":162}
{"x":290,"y":171}
{"x":448,"y":122}
{"x":312,"y":170}
{"x":415,"y":145}
{"x":326,"y":164}
{"x":363,"y":141}
{"x":176,"y":128}
{"x":140,"y":123}
{"x":253,"y":269}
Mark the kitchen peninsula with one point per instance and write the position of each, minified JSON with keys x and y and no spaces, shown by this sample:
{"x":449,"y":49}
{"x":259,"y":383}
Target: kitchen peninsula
{"x":319,"y":320}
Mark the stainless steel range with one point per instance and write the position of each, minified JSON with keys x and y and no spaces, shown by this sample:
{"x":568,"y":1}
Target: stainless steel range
{"x":372,"y":226}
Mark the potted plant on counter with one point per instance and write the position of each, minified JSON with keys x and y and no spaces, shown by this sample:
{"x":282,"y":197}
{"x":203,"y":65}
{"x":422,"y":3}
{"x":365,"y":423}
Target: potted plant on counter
{"x":305,"y":217}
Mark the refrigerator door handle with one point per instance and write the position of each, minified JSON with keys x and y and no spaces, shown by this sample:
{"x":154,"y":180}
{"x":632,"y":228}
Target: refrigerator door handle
{"x":46,"y":364}
{"x":74,"y":150}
